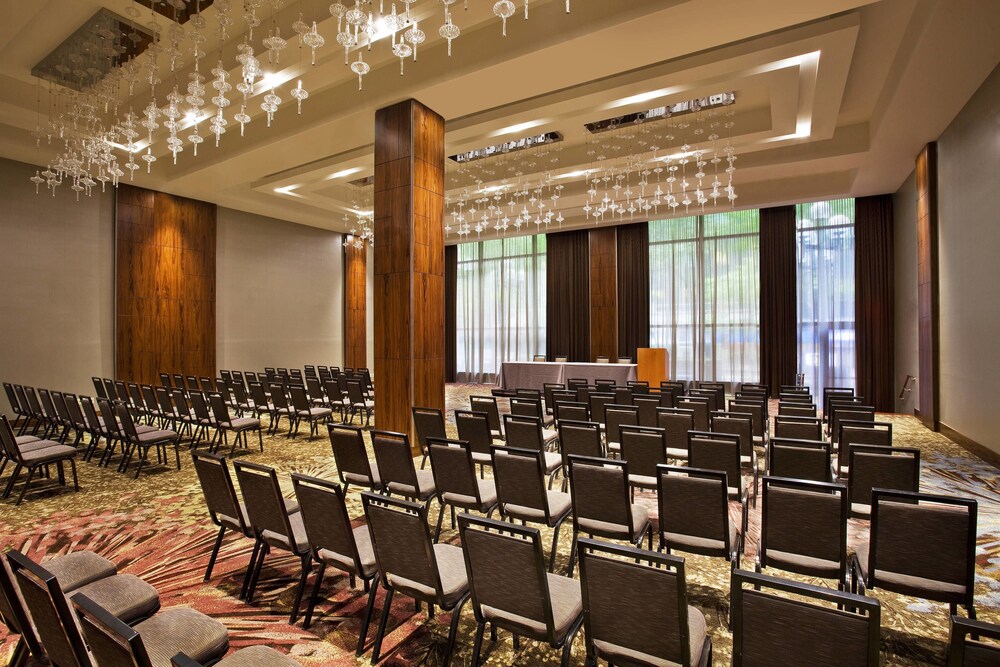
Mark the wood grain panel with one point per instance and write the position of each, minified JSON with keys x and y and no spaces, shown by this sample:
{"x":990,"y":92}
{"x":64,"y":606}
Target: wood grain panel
{"x":164,"y":285}
{"x":927,"y":287}
{"x":355,"y":306}
{"x":409,"y":263}
{"x":604,"y":293}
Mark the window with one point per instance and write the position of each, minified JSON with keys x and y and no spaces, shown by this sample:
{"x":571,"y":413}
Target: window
{"x":825,"y":248}
{"x":704,"y":290}
{"x":500,"y":305}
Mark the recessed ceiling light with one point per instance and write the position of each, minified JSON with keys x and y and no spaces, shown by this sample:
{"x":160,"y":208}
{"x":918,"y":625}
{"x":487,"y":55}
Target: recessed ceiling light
{"x":342,"y":173}
{"x":519,"y":127}
{"x":287,"y":190}
{"x":644,"y":97}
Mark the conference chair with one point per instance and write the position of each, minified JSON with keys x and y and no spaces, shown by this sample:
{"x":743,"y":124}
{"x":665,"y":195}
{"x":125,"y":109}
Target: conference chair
{"x":32,"y":456}
{"x":616,"y":416}
{"x":305,"y":410}
{"x":644,"y":448}
{"x":603,"y":360}
{"x":675,"y":422}
{"x":521,"y":493}
{"x":921,"y":545}
{"x":408,"y":562}
{"x":538,"y":358}
{"x":511,"y":589}
{"x":874,"y":467}
{"x":799,"y":459}
{"x":798,"y":428}
{"x":578,"y":438}
{"x":694,"y":517}
{"x":964,"y":651}
{"x":636,"y":611}
{"x":334,"y":542}
{"x":143,"y":442}
{"x":272,"y":525}
{"x":597,"y":401}
{"x":282,"y":407}
{"x":351,"y":456}
{"x":602,"y":506}
{"x":239,"y":427}
{"x":624,"y":360}
{"x":488,"y":404}
{"x":571,"y":410}
{"x":775,"y":621}
{"x":474,"y":428}
{"x":700,"y":406}
{"x":791,"y":409}
{"x":859,"y":433}
{"x":396,"y":468}
{"x":528,"y":433}
{"x":804,"y":529}
{"x":428,"y":423}
{"x":531,"y":406}
{"x":647,"y":406}
{"x":455,"y":481}
{"x":720,"y":451}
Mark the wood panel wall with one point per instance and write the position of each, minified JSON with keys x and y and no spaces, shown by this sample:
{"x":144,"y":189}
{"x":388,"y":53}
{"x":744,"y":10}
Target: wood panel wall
{"x":164,"y":285}
{"x":604,"y":293}
{"x":409,"y":263}
{"x":355,"y":305}
{"x":927,"y":286}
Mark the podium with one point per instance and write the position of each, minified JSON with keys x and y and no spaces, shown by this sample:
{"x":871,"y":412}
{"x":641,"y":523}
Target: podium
{"x":653,"y":365}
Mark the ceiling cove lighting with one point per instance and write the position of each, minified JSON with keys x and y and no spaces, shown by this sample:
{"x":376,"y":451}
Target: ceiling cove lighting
{"x":343,"y":172}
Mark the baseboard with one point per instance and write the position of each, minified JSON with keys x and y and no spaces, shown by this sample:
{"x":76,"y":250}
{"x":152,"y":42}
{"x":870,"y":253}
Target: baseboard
{"x":983,"y":452}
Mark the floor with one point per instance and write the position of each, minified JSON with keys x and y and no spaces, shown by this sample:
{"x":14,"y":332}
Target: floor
{"x":157,"y":528}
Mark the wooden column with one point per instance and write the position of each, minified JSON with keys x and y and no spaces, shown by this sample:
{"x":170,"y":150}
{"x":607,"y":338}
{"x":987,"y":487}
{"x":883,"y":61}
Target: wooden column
{"x":355,"y":306}
{"x":604,"y":293}
{"x":927,"y":286}
{"x":409,"y":264}
{"x":164,"y":285}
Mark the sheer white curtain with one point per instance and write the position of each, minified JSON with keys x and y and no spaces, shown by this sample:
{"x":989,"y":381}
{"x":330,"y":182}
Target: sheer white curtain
{"x":704,"y":287}
{"x":500,"y":305}
{"x":825,"y":239}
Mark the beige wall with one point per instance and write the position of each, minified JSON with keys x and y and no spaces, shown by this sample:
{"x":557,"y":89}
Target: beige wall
{"x":904,"y":206}
{"x":280,"y":293}
{"x":968,"y":270}
{"x":56,"y":284}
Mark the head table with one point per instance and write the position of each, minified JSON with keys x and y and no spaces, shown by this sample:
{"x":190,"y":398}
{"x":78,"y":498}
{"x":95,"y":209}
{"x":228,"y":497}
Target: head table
{"x":534,"y":374}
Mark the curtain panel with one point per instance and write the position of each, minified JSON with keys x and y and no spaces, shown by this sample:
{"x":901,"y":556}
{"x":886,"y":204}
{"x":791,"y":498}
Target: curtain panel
{"x":450,"y":319}
{"x":567,"y":314}
{"x":874,"y":305}
{"x":633,"y":289}
{"x":778,"y":346}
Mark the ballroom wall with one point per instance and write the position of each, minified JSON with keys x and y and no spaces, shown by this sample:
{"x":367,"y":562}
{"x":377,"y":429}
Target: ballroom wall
{"x":904,"y":205}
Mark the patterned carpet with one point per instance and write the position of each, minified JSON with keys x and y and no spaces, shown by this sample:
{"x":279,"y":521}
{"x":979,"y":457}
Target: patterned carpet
{"x":157,"y":528}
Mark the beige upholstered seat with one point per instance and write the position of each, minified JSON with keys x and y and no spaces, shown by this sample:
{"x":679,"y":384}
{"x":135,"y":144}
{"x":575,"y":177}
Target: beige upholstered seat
{"x":79,"y":568}
{"x":254,"y":656}
{"x":124,"y":596}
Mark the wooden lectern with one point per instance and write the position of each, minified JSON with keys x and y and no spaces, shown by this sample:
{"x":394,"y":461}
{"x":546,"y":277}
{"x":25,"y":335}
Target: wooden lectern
{"x":654,"y":365}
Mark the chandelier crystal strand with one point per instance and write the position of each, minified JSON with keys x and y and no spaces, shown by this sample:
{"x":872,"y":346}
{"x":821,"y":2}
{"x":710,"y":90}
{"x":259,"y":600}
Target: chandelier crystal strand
{"x":504,"y":9}
{"x":360,"y":67}
{"x":313,"y":40}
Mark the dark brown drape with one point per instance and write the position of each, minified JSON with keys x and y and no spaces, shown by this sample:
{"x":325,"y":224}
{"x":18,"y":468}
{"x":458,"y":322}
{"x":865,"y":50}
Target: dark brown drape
{"x":450,"y":318}
{"x":873,"y":299}
{"x":778,"y":336}
{"x":567,"y":290}
{"x":633,"y":288}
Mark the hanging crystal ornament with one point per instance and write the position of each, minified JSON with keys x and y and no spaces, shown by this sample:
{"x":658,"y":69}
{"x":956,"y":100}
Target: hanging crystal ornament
{"x":299,"y":93}
{"x":274,"y":44}
{"x":449,"y":30}
{"x":337,"y":11}
{"x":313,"y":40}
{"x":223,"y":19}
{"x":222,"y":86}
{"x":270,"y":105}
{"x":402,"y":50}
{"x":415,"y":36}
{"x":505,"y":9}
{"x":360,"y":67}
{"x":242,"y":118}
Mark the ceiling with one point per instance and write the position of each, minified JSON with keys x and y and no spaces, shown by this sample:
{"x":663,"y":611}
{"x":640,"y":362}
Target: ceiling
{"x":833,"y":97}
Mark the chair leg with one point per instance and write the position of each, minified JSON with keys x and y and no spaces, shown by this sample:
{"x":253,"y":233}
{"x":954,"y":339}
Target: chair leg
{"x":142,"y":459}
{"x":31,"y":472}
{"x":380,"y":633}
{"x":12,"y":480}
{"x":264,"y":549}
{"x":20,"y":655}
{"x":306,"y":568}
{"x":76,"y":481}
{"x":437,"y":531}
{"x":314,"y":596}
{"x":568,"y":645}
{"x":456,"y":615}
{"x":366,"y":621}
{"x":215,"y":552}
{"x":477,"y":646}
{"x":260,"y":439}
{"x":250,"y":568}
{"x":572,"y":552}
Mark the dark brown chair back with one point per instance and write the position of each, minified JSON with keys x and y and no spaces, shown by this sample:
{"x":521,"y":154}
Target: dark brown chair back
{"x":799,"y":459}
{"x":675,"y":422}
{"x":895,"y":468}
{"x":804,"y":518}
{"x":395,"y":462}
{"x":350,"y":454}
{"x":403,"y":547}
{"x":520,"y":478}
{"x":717,"y":451}
{"x":694,"y":503}
{"x":474,"y":428}
{"x":326,"y":520}
{"x":798,"y":428}
{"x":644,"y":448}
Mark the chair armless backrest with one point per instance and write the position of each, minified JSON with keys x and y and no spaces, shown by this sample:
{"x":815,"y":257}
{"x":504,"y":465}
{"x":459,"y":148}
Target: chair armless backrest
{"x":624,"y":396}
{"x":644,"y":448}
{"x":127,"y":425}
{"x":149,"y":398}
{"x":524,"y":432}
{"x":616,"y":416}
{"x":572,"y":411}
{"x":265,"y":505}
{"x":90,"y":413}
{"x":15,"y":405}
{"x":580,"y":439}
{"x":217,"y":487}
{"x":206,"y":384}
{"x":799,"y":459}
{"x":507,"y":575}
{"x":520,"y":478}
{"x":326,"y":520}
{"x":895,"y":468}
{"x":756,"y":410}
{"x":799,"y":428}
{"x":964,"y":652}
{"x":349,"y":452}
{"x":548,"y":388}
{"x":355,"y":392}
{"x":700,"y":407}
{"x":256,"y":390}
{"x":474,"y":428}
{"x":278,"y":396}
{"x":22,"y":399}
{"x":164,"y":402}
{"x":833,"y":394}
{"x":32,"y":397}
{"x":769,"y":627}
{"x":300,"y":401}
{"x":107,"y":410}
{"x":788,"y":409}
{"x":9,"y":440}
{"x":675,"y":422}
{"x":395,"y":461}
{"x":573,"y":383}
{"x":315,"y":389}
{"x":112,"y":642}
{"x":333,"y":391}
{"x":178,"y":381}
{"x":597,"y":403}
{"x":694,"y":502}
{"x":429,"y":423}
{"x":165,"y":379}
{"x":852,"y":413}
{"x":923,"y":535}
{"x":851,"y":432}
{"x":200,"y":405}
{"x":805,"y":518}
{"x":453,"y":469}
{"x":487,"y":404}
{"x":710,"y":394}
{"x":735,"y":424}
{"x":49,"y":611}
{"x":600,"y":491}
{"x":716,"y":451}
{"x":402,"y":543}
{"x":60,"y":404}
{"x":526,"y":407}
{"x":647,"y":406}
{"x":12,"y":611}
{"x":648,"y":587}
{"x":239,"y":393}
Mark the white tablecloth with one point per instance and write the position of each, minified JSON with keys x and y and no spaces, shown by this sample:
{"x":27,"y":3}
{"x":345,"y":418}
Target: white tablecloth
{"x":534,"y":374}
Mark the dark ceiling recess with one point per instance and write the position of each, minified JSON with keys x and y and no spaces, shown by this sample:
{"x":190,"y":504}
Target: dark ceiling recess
{"x":184,"y":10}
